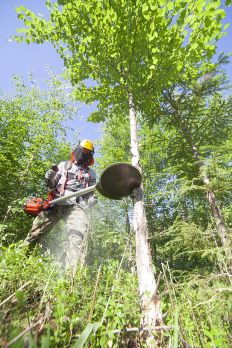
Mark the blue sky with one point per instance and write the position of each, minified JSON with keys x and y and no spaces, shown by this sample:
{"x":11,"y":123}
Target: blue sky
{"x":22,"y":59}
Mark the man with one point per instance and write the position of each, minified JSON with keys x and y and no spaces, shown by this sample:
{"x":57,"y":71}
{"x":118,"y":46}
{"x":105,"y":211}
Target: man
{"x":61,"y":180}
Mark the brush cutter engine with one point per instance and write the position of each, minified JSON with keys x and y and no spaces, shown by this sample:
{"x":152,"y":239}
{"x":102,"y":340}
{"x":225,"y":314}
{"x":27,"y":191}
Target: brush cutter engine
{"x":33,"y":206}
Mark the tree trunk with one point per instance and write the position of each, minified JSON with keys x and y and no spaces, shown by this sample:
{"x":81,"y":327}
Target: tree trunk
{"x":150,"y":303}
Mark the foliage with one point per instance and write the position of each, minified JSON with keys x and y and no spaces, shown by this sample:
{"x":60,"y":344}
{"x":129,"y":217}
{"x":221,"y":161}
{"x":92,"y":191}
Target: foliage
{"x":186,"y":139}
{"x":201,"y":305}
{"x":195,"y":282}
{"x":32,"y":139}
{"x":114,"y":145}
{"x":185,"y":246}
{"x":106,"y":294}
{"x":123,"y":45}
{"x":64,"y":306}
{"x":160,"y":52}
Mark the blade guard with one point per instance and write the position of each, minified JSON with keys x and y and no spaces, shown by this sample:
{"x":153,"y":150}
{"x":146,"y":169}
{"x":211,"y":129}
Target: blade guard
{"x":119,"y":180}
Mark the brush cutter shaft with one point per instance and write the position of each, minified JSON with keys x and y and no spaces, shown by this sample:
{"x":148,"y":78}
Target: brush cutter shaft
{"x":74,"y":194}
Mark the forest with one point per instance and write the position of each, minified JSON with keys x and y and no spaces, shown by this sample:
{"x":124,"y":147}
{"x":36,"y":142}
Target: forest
{"x":158,"y":269}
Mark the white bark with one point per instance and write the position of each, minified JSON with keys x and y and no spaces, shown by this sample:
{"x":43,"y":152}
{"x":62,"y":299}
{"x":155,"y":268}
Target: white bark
{"x":150,"y":303}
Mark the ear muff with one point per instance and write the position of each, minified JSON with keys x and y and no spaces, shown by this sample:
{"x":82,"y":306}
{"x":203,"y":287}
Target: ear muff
{"x":73,"y":157}
{"x":91,"y":162}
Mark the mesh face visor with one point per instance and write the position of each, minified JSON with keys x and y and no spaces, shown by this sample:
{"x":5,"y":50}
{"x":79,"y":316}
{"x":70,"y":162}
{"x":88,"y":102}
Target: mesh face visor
{"x":83,"y":156}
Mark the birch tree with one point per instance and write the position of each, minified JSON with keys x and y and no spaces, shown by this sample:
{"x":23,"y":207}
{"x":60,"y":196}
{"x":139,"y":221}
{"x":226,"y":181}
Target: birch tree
{"x":130,"y":49}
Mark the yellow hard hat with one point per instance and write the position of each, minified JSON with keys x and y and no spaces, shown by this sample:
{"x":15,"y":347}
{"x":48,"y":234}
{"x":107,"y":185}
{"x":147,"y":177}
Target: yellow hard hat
{"x":87,"y":144}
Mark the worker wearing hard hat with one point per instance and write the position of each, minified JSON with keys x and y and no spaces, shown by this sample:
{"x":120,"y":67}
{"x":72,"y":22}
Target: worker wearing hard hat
{"x":61,"y":180}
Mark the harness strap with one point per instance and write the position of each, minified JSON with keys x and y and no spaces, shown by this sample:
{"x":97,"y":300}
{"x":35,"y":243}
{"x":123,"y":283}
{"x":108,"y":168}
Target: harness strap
{"x":83,"y":176}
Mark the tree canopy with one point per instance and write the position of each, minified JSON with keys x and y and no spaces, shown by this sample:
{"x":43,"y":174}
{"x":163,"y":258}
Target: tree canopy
{"x":140,"y":46}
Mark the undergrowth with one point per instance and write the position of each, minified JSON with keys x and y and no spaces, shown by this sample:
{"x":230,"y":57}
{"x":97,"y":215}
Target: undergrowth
{"x":200,"y":306}
{"x":59,"y":306}
{"x":42,"y":306}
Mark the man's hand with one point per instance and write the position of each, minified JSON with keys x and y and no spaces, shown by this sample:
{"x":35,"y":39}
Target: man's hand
{"x":55,"y":168}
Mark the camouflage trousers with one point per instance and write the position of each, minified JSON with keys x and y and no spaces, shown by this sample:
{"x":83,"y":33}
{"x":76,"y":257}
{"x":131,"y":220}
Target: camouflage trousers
{"x":76,"y":223}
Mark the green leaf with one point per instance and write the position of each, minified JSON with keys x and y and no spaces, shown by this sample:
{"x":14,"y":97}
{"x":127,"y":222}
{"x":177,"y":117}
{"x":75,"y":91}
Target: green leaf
{"x":145,"y":7}
{"x":226,"y":26}
{"x":194,"y":46}
{"x":90,"y":328}
{"x":170,"y":5}
{"x":18,"y":9}
{"x":45,"y":340}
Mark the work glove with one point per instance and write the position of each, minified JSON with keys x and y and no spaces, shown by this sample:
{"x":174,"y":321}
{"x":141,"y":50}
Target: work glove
{"x":92,"y":201}
{"x":50,"y":175}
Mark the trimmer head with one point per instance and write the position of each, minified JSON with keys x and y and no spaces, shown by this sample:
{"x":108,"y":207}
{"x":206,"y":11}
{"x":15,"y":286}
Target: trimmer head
{"x":119,"y":180}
